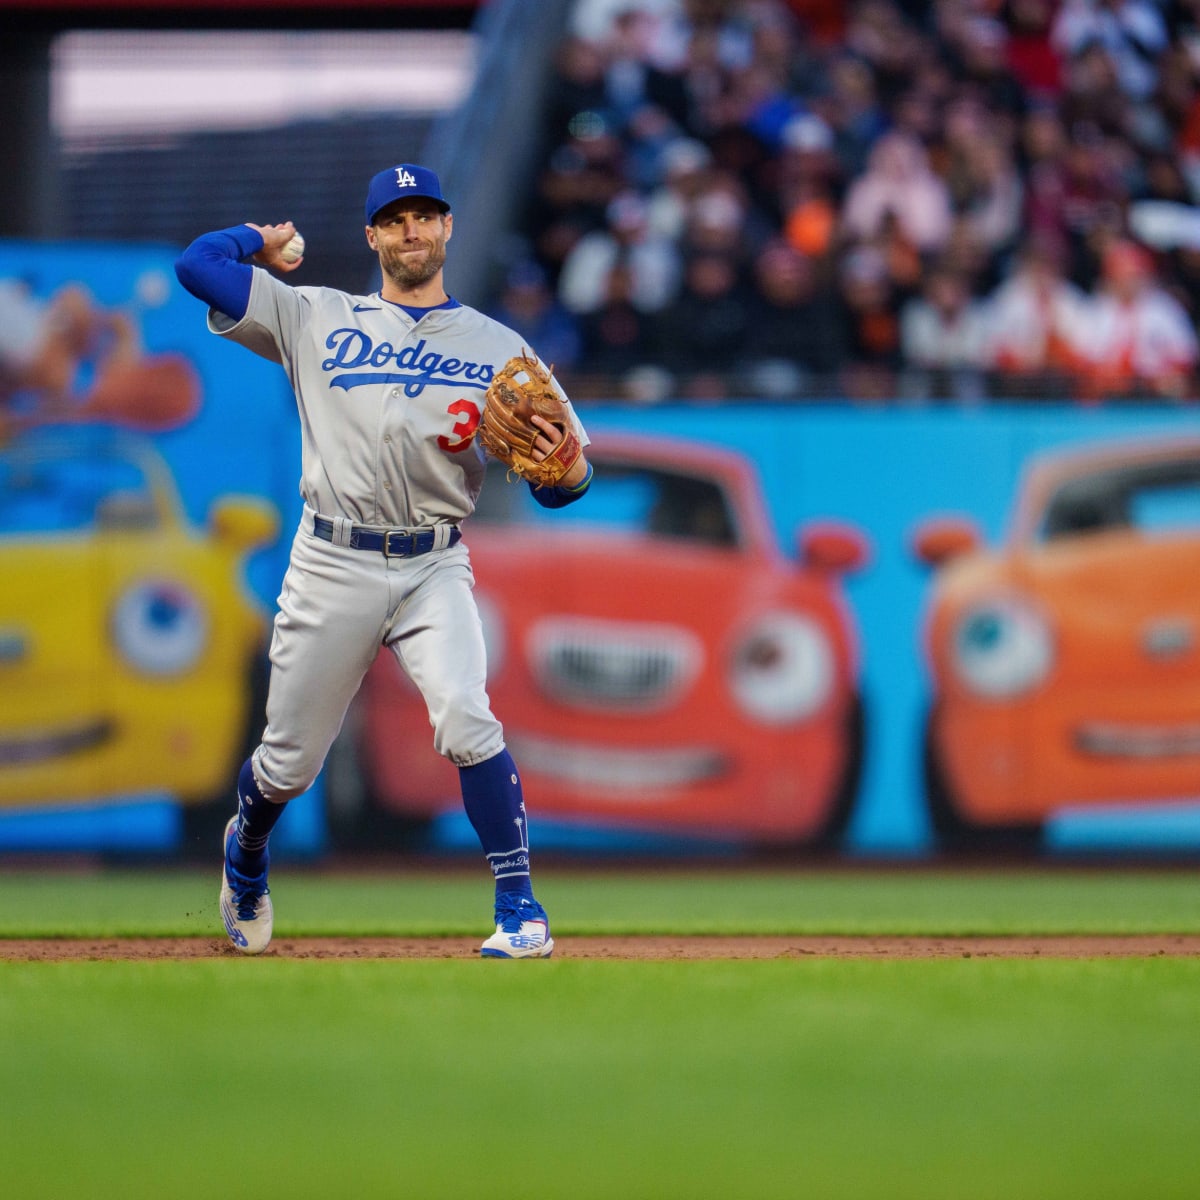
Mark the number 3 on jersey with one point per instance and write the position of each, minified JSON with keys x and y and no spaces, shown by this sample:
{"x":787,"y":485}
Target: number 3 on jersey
{"x":463,"y":429}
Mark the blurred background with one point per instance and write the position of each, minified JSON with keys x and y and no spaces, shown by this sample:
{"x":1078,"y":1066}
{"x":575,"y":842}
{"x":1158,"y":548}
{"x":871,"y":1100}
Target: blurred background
{"x":882,"y":315}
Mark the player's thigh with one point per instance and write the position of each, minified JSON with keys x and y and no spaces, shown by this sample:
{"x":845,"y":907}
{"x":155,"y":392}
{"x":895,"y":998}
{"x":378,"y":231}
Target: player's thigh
{"x":328,"y":630}
{"x":437,"y":633}
{"x":440,"y":644}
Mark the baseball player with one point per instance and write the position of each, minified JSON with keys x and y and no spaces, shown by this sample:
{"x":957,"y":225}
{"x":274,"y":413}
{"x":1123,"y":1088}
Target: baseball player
{"x":389,"y":388}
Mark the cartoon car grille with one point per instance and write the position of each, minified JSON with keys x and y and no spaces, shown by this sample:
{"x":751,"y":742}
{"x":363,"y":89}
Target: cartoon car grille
{"x":612,"y":665}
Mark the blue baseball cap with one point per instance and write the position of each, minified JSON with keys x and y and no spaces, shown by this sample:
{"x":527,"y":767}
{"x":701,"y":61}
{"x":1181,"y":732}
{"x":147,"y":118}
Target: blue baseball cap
{"x":402,"y":183}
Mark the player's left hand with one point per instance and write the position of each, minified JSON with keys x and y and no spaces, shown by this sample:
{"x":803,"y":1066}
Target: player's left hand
{"x":545,"y":442}
{"x":548,"y":437}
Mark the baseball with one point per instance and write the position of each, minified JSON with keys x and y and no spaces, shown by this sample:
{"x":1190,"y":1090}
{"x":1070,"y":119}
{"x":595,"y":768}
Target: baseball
{"x":293,"y":250}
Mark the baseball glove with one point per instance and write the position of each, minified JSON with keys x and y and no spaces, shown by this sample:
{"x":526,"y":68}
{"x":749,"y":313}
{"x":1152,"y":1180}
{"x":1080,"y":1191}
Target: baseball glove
{"x":521,"y":388}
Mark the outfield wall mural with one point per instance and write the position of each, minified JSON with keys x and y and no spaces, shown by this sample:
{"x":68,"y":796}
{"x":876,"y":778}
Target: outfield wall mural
{"x":146,"y":491}
{"x":886,"y":630}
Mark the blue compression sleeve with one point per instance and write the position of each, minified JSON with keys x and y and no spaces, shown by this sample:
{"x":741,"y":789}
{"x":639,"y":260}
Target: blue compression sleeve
{"x":211,"y":268}
{"x":560,"y":497}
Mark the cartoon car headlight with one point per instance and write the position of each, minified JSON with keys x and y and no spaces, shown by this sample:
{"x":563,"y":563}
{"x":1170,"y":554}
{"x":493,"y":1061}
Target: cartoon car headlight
{"x":159,"y":627}
{"x":1002,"y":647}
{"x":783,"y":668}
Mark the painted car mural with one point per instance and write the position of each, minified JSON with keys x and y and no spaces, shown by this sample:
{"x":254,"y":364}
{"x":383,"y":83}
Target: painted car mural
{"x":127,"y":634}
{"x":1065,"y":663}
{"x":675,"y":670}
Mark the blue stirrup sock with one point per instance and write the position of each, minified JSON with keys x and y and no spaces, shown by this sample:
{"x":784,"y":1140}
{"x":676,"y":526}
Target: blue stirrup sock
{"x":491,"y":792}
{"x":256,"y":818}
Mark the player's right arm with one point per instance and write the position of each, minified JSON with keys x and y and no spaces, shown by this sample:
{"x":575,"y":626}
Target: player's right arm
{"x":213,"y":267}
{"x":213,"y":270}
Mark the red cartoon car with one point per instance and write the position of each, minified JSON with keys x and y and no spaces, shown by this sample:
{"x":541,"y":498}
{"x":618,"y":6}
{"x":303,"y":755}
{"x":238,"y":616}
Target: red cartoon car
{"x":674,"y":672}
{"x":1065,"y":664}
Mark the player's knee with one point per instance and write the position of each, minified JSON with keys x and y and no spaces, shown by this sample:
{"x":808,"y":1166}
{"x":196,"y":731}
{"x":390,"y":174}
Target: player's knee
{"x":465,"y":738}
{"x":283,"y":778}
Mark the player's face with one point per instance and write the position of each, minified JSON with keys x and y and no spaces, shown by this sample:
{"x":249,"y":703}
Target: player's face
{"x":410,"y":238}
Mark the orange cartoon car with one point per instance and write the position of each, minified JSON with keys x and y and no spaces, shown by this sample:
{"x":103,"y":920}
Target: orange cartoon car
{"x":1066,"y":664}
{"x":674,"y":672}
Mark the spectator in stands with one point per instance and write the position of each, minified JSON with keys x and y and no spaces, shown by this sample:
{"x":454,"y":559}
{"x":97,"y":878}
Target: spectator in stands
{"x":943,"y":337}
{"x":868,"y":311}
{"x":1094,"y":198}
{"x":807,"y":180}
{"x":528,"y":305}
{"x":637,"y":78}
{"x":794,"y":338}
{"x":811,"y":216}
{"x":898,"y":182}
{"x":1035,"y":320}
{"x":684,"y":172}
{"x":982,"y":178}
{"x":1137,"y":339}
{"x":586,"y":171}
{"x":1034,"y":62}
{"x":851,"y":107}
{"x":1092,"y":93}
{"x":1042,"y":153}
{"x":572,"y":193}
{"x":1131,"y":32}
{"x":627,"y":241}
{"x":579,"y":85}
{"x":718,"y":219}
{"x":704,"y":329}
{"x":925,"y":144}
{"x":880,"y":35}
{"x":902,"y":259}
{"x":618,"y":335}
{"x":978,"y":46}
{"x":920,"y":108}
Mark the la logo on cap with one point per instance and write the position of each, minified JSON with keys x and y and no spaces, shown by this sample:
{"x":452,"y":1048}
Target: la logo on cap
{"x":405,"y":178}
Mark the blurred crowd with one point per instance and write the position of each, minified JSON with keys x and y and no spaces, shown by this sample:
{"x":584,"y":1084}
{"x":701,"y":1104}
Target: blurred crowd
{"x":876,"y":200}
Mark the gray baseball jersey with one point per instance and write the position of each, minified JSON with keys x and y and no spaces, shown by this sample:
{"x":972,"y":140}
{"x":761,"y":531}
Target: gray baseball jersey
{"x":388,"y":406}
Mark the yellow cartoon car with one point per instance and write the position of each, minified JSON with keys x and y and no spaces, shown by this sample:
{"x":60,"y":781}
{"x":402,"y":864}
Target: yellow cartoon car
{"x":127,"y":634}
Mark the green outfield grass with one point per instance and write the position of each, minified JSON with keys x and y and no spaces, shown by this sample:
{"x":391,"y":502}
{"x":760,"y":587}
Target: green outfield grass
{"x":792,"y":1077}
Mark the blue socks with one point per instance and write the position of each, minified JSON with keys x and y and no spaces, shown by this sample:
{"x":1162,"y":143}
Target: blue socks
{"x":492,"y":797}
{"x":256,"y":818}
{"x":491,"y":792}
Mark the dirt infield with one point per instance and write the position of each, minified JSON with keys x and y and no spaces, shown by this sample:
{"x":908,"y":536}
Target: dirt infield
{"x":631,"y":948}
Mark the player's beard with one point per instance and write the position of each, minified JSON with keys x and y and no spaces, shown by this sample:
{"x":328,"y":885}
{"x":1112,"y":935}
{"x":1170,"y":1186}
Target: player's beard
{"x":408,"y":271}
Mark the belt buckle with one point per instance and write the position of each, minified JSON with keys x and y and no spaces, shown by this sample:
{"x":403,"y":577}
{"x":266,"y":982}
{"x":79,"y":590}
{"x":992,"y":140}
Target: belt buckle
{"x":387,"y":543}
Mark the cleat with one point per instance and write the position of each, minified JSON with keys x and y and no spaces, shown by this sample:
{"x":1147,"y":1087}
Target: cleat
{"x":245,"y":904}
{"x":522,"y":931}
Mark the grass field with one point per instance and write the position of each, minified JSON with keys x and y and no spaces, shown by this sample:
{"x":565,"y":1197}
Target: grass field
{"x":789,"y":1077}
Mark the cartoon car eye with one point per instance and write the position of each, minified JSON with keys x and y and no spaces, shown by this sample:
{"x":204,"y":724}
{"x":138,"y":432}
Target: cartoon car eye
{"x":1002,"y":647}
{"x":160,"y":628}
{"x":783,"y":669}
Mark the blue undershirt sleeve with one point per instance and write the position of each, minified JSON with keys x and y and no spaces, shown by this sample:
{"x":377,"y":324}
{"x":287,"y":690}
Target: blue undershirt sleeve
{"x":560,"y":497}
{"x":211,"y":268}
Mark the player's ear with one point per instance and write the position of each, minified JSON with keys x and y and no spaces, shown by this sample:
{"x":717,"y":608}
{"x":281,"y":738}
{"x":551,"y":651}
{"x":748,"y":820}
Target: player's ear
{"x":449,"y":220}
{"x":371,"y":237}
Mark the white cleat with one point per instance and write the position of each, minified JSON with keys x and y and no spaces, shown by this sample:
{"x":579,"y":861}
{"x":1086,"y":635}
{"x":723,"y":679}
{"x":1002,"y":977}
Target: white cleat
{"x":522,"y":931}
{"x":245,"y":904}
